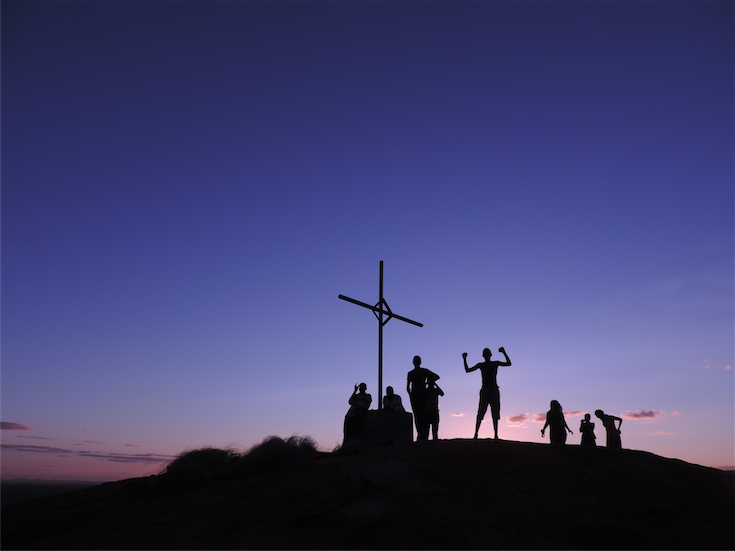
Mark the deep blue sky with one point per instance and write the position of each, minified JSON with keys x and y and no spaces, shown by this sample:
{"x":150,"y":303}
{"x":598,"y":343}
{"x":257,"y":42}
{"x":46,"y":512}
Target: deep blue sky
{"x":187,"y":187}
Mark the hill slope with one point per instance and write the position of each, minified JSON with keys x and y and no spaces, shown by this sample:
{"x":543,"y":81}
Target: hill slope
{"x":454,"y":494}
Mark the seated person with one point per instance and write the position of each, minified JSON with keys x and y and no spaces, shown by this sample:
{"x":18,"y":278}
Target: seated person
{"x":392,"y":402}
{"x":359,"y":404}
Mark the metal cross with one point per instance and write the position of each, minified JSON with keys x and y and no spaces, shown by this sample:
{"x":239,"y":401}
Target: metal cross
{"x":379,"y":310}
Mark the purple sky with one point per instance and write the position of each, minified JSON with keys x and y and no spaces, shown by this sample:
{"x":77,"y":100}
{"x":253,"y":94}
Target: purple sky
{"x":187,"y":187}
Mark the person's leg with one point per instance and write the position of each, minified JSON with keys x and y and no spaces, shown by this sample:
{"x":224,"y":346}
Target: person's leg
{"x":430,"y":424}
{"x":417,"y":406}
{"x":480,"y":414}
{"x":425,"y":420}
{"x":495,"y":410}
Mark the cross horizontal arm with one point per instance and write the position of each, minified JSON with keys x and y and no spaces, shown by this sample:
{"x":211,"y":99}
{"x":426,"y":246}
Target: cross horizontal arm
{"x":375,"y":309}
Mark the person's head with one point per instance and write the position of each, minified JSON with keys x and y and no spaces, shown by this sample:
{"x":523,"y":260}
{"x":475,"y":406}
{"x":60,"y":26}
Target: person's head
{"x":587,"y":417}
{"x":389,"y":391}
{"x":487,"y":354}
{"x":416,"y":361}
{"x":362,"y":387}
{"x":555,"y":405}
{"x":599,"y":413}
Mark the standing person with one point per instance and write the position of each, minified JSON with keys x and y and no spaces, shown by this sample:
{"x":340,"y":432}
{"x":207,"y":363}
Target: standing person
{"x":555,"y":420}
{"x":359,"y":404}
{"x":490,"y":392}
{"x":432,"y":408}
{"x":613,"y":432}
{"x":587,"y":429}
{"x":417,"y":381}
{"x":392,"y":402}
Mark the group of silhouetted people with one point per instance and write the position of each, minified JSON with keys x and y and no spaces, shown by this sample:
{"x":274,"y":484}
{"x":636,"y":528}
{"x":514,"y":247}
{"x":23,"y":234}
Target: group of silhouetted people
{"x":423,"y":392}
{"x":558,"y":427}
{"x":424,"y":395}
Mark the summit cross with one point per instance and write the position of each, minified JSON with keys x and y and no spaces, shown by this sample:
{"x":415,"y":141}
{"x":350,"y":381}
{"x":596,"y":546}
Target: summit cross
{"x":380,"y":309}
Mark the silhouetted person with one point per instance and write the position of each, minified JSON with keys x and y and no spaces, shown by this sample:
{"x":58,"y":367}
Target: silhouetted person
{"x":490,"y":392}
{"x":392,"y":402}
{"x":587,"y":429}
{"x":431,"y":411}
{"x":359,"y":404}
{"x":557,"y":424}
{"x":417,"y":381}
{"x":613,"y":432}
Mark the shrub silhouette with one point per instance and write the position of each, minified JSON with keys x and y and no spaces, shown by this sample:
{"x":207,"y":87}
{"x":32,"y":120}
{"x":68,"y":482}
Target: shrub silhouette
{"x":194,"y":468}
{"x":274,"y":454}
{"x":201,"y":463}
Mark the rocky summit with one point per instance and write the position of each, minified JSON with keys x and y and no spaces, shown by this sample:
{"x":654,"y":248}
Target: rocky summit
{"x":449,"y":494}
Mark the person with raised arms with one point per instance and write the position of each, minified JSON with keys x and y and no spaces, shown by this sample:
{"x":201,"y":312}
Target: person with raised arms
{"x":490,"y":392}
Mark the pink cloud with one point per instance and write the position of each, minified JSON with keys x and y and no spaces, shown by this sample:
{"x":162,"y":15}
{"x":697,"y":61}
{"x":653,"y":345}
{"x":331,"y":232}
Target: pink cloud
{"x":660,"y":432}
{"x":641,"y":414}
{"x":457,"y":414}
{"x":518,"y":419}
{"x":568,"y":414}
{"x":134,"y":445}
{"x":728,"y":367}
{"x":5,"y":425}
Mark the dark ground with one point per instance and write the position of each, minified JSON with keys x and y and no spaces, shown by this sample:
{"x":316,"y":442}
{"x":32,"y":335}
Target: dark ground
{"x":19,"y":490}
{"x":452,"y":494}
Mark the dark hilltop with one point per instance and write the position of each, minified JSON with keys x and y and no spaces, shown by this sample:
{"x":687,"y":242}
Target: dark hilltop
{"x":450,"y":494}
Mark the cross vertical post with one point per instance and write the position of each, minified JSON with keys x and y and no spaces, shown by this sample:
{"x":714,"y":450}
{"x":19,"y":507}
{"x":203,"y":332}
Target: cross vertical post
{"x":379,"y":309}
{"x":380,"y":342}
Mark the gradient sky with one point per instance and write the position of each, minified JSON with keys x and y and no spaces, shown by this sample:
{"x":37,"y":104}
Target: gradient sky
{"x":187,"y":187}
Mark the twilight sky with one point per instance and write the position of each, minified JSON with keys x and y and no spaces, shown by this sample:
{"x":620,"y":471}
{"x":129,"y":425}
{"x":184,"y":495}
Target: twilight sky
{"x":187,"y":187}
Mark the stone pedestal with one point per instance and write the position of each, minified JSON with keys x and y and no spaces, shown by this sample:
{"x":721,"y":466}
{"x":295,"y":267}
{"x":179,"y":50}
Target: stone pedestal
{"x":379,"y":428}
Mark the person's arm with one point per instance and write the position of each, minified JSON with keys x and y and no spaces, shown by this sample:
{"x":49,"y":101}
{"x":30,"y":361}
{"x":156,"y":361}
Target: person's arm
{"x":619,"y":424}
{"x":507,"y":359}
{"x":408,"y":384}
{"x":439,"y":390}
{"x":468,"y":369}
{"x":545,"y":425}
{"x":352,"y":398}
{"x":567,"y":427}
{"x":399,"y":404}
{"x":369,"y":401}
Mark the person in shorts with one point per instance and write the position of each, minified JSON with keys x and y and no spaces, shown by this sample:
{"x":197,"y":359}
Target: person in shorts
{"x":490,"y":392}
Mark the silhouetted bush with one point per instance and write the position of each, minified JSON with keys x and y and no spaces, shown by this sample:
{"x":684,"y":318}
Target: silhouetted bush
{"x":201,"y":463}
{"x":196,"y":467}
{"x":274,"y":453}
